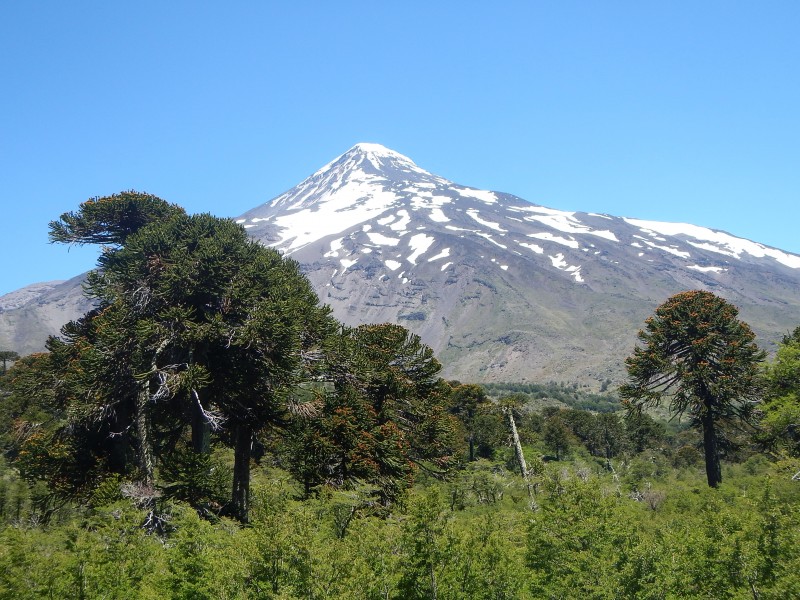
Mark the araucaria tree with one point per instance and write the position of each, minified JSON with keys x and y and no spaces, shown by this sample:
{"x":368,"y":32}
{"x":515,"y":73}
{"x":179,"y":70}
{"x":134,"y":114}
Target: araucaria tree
{"x":700,"y":356}
{"x":7,"y":356}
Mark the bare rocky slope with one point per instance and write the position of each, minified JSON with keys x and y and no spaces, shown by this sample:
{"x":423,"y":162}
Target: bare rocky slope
{"x":502,"y":289}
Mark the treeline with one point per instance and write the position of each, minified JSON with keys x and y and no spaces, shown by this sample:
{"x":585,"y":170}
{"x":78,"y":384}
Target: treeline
{"x":569,"y":394}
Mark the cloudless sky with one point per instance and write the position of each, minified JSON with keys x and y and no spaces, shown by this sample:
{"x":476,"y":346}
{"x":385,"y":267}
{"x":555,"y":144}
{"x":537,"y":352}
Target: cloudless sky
{"x":673,"y":111}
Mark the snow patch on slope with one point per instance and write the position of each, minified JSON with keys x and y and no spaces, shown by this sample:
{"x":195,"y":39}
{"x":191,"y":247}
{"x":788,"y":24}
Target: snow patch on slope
{"x":707,"y":269}
{"x":443,"y":254}
{"x":718,"y":241}
{"x":562,"y":221}
{"x":419,"y":243}
{"x":382,"y":240}
{"x":561,"y":264}
{"x":475,"y":215}
{"x":547,"y":236}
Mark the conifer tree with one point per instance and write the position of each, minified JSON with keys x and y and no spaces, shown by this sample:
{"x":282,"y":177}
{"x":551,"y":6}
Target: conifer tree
{"x":704,"y":359}
{"x":383,"y":415}
{"x":197,"y":326}
{"x":7,"y":356}
{"x":467,"y":401}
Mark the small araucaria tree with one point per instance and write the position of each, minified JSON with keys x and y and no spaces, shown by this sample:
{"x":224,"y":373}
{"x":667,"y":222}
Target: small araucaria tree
{"x":7,"y":356}
{"x":700,"y":356}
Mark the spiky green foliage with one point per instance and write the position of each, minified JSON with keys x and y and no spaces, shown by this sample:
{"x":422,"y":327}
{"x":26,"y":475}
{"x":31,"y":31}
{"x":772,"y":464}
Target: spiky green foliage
{"x":382,"y":414}
{"x":698,"y":354}
{"x":111,"y":219}
{"x":223,"y":325}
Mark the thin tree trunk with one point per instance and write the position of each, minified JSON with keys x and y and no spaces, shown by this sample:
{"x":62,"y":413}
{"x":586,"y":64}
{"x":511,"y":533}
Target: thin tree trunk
{"x":471,"y":447}
{"x":523,"y":466}
{"x":434,"y":594}
{"x":142,"y":431}
{"x":713,"y":468}
{"x":201,"y":428}
{"x":240,"y":497}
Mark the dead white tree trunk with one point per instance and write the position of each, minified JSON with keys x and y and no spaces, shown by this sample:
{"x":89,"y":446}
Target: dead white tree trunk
{"x":523,"y":466}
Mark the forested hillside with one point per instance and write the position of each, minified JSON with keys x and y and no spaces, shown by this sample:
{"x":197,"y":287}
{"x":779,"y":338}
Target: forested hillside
{"x":210,"y":431}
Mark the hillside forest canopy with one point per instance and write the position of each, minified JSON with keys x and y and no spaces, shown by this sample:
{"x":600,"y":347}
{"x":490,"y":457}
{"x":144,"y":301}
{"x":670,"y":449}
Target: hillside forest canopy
{"x":209,"y":430}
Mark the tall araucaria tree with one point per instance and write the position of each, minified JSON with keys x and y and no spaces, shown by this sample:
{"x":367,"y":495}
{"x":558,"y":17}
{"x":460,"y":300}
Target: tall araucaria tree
{"x":202,"y":326}
{"x":226,"y":321}
{"x":101,"y":369}
{"x":697,"y":354}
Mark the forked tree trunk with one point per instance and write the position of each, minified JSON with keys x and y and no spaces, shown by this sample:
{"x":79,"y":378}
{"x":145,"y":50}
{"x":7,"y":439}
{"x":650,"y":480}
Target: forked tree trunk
{"x":240,"y":496}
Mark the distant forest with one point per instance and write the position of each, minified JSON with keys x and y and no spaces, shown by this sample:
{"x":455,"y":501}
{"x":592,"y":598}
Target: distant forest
{"x":571,"y":395}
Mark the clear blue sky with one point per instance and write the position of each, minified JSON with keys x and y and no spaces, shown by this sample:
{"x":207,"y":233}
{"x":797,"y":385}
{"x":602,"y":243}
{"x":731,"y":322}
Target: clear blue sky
{"x":676,"y":111}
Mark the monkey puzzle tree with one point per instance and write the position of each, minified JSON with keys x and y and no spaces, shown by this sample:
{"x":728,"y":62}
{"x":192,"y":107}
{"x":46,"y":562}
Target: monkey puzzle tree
{"x":225,"y":323}
{"x":105,"y":370}
{"x":111,"y":219}
{"x":467,"y":402}
{"x":196,"y":326}
{"x":8,"y":356}
{"x":704,"y":359}
{"x":383,"y":414}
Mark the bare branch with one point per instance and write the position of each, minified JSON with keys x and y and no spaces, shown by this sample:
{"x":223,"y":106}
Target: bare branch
{"x":214,"y":419}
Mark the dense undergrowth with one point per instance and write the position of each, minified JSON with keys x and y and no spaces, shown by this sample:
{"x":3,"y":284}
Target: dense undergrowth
{"x":636,"y":526}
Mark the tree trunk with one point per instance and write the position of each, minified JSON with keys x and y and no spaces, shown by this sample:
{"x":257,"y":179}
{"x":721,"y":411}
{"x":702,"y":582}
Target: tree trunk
{"x":142,"y":432}
{"x":523,"y":466}
{"x":713,"y":468}
{"x":201,"y":428}
{"x":471,"y":447}
{"x":240,"y":496}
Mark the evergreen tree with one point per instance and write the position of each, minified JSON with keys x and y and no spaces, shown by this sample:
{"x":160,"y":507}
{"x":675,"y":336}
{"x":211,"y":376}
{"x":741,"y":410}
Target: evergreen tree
{"x":700,"y":355}
{"x":468,"y":400}
{"x":7,"y":356}
{"x":197,"y":326}
{"x":225,"y":322}
{"x":111,"y":219}
{"x":384,"y":414}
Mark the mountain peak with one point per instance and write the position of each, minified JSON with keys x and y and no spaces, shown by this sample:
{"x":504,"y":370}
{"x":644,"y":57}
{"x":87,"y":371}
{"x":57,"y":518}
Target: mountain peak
{"x":373,"y":159}
{"x":378,"y":150}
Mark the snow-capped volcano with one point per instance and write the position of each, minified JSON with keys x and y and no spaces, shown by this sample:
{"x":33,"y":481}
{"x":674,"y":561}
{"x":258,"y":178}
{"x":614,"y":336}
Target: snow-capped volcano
{"x":501,"y":288}
{"x":388,"y":196}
